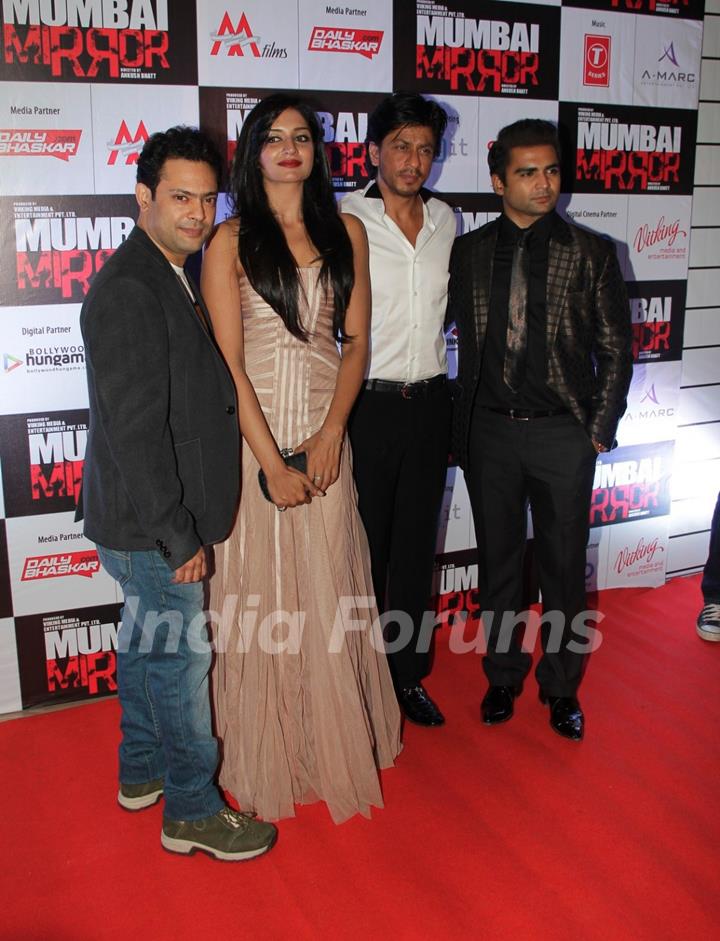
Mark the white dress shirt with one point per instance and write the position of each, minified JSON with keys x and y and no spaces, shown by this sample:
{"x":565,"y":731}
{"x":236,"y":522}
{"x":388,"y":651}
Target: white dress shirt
{"x":409,"y":287}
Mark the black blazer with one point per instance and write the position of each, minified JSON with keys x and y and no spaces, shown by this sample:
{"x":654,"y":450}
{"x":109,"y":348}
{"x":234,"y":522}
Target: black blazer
{"x":589,"y":333}
{"x":162,"y":461}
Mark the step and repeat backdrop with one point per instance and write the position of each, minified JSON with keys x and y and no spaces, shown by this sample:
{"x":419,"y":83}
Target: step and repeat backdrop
{"x":84,"y":82}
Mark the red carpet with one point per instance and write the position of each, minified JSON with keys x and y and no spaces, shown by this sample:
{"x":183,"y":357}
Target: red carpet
{"x":487,"y":833}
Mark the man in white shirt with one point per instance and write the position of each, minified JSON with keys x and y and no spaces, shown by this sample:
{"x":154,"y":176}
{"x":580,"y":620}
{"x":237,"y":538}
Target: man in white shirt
{"x":400,"y":428}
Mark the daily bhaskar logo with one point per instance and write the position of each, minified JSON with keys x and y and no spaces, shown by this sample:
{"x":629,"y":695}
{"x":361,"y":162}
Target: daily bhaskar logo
{"x":84,"y":563}
{"x":39,"y":142}
{"x":364,"y":42}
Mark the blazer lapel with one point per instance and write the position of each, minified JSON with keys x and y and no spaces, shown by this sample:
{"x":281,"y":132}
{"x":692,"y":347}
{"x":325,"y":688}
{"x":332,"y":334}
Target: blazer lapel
{"x":561,"y":259}
{"x":482,"y":264}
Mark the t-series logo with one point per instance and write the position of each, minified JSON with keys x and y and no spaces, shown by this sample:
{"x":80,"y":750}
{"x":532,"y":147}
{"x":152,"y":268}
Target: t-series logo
{"x":126,"y":144}
{"x":597,"y":61}
{"x":240,"y":40}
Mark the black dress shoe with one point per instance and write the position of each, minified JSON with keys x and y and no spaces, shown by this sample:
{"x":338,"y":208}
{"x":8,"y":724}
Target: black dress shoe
{"x":566,"y":716}
{"x":418,"y":707}
{"x":498,"y":704}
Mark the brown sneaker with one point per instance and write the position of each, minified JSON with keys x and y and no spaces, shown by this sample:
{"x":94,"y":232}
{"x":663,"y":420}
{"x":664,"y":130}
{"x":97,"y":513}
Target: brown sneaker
{"x":140,"y":796}
{"x":229,"y":835}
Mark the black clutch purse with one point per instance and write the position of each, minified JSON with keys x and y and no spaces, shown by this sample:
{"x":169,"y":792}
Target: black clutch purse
{"x":298,"y":461}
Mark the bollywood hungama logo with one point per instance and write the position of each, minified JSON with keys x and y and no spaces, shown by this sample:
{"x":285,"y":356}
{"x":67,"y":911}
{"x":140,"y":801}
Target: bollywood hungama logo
{"x":11,"y":362}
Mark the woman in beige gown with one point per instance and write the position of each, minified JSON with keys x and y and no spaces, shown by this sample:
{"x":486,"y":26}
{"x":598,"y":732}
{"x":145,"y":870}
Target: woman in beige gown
{"x":304,"y":701}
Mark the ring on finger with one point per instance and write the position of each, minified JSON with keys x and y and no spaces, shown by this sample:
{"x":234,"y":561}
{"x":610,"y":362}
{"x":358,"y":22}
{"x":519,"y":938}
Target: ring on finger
{"x":281,"y":509}
{"x":317,"y":477}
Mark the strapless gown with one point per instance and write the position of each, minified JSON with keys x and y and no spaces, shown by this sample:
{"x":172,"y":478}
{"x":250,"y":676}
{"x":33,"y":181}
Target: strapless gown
{"x":305,"y":706}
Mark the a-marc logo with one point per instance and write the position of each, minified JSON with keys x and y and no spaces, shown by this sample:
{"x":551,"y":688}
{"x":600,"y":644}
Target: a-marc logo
{"x":669,"y":53}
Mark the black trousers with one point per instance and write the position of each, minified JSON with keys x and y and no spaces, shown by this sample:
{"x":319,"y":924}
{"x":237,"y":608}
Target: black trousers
{"x":711,"y":575}
{"x":400,"y":452}
{"x":549,"y":462}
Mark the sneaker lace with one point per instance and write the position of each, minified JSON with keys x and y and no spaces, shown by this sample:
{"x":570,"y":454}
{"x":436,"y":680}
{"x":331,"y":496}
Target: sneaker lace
{"x":710,"y":612}
{"x":237,"y":819}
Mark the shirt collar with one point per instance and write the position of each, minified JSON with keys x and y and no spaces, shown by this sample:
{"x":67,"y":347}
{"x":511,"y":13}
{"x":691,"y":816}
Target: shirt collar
{"x":541,"y":229}
{"x":372,"y":191}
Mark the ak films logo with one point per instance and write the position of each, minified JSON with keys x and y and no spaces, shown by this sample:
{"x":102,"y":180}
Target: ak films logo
{"x":240,"y":40}
{"x":127,"y":144}
{"x":669,"y":74}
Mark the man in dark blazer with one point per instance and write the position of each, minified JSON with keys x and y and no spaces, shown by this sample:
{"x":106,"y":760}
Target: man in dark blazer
{"x":544,"y":368}
{"x":160,"y":483}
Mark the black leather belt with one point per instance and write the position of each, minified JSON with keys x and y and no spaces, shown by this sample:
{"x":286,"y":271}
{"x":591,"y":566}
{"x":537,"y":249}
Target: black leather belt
{"x":526,"y":414}
{"x":408,"y":390}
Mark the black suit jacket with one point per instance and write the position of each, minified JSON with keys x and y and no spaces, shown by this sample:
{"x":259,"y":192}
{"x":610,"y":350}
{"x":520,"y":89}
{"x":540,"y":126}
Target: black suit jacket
{"x":589,"y":334}
{"x":162,"y":462}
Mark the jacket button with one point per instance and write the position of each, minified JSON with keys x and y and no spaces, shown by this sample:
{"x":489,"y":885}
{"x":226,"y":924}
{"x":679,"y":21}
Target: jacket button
{"x":230,"y":409}
{"x":166,"y":554}
{"x":158,"y":542}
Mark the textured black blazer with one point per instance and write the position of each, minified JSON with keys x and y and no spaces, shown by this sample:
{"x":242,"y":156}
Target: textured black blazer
{"x":589,"y":334}
{"x":162,"y":462}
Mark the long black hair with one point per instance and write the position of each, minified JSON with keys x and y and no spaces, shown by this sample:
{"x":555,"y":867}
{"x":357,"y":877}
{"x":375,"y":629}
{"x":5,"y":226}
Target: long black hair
{"x":263,"y":249}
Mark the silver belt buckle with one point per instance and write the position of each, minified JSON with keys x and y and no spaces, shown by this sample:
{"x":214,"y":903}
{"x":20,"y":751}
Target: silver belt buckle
{"x":517,"y":417}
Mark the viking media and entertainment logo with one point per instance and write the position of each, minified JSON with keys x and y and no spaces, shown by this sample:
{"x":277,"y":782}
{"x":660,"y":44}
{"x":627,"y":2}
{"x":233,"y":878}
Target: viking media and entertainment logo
{"x":596,"y":70}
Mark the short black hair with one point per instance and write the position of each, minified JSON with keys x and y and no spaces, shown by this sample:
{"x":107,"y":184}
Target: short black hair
{"x":182,"y":143}
{"x":529,"y":132}
{"x":405,"y":109}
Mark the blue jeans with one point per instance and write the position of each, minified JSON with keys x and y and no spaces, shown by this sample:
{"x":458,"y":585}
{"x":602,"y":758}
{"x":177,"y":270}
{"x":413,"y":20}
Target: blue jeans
{"x":163,"y":662}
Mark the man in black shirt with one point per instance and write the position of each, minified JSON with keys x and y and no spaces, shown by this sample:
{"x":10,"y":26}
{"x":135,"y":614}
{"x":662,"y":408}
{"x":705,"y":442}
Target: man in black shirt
{"x":544,"y":368}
